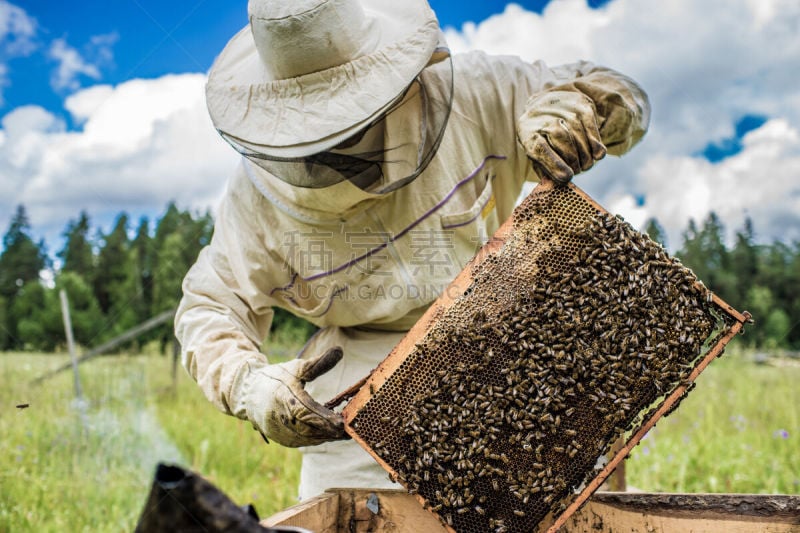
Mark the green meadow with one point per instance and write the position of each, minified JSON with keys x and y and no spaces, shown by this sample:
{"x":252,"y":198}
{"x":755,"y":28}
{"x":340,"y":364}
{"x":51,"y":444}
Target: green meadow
{"x":69,"y":465}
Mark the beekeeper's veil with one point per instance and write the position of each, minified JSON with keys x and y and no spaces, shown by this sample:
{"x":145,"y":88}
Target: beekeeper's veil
{"x":321,"y":91}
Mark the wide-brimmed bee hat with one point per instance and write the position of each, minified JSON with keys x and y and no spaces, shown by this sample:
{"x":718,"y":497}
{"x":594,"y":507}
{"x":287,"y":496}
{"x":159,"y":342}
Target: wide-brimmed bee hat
{"x":305,"y":75}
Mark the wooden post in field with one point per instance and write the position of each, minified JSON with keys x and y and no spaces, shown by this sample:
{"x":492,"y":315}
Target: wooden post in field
{"x":176,"y":353}
{"x":70,"y":341}
{"x":113,"y":343}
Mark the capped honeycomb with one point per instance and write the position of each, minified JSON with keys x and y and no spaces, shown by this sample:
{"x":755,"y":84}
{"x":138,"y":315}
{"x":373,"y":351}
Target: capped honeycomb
{"x":568,"y":331}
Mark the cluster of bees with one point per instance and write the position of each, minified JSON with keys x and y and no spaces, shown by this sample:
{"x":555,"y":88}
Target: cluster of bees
{"x":499,"y":415}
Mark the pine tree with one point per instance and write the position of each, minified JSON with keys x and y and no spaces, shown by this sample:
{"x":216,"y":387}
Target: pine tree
{"x":5,"y":335}
{"x":705,"y":253}
{"x":133,"y":304}
{"x":691,"y":252}
{"x":77,"y":255}
{"x":87,"y":319}
{"x":31,"y":307}
{"x":142,"y":252}
{"x":179,"y":237}
{"x":112,"y":267}
{"x":168,"y":224}
{"x":762,"y":304}
{"x":656,"y":232}
{"x":713,"y":243}
{"x":774,"y":271}
{"x":744,"y":261}
{"x":721,"y":277}
{"x":167,"y":289}
{"x":20,"y":263}
{"x":194,"y":231}
{"x":793,"y":301}
{"x":22,"y":259}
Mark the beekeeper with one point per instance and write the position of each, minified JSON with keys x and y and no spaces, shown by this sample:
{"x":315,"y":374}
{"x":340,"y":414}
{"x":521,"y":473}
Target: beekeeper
{"x":375,"y":165}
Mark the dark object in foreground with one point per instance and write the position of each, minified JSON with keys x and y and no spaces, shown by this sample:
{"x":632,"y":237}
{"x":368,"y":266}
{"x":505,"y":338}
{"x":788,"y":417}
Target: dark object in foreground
{"x":182,"y":501}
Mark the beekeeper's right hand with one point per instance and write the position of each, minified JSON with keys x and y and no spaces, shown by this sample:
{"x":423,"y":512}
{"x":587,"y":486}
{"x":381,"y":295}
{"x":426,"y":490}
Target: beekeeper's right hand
{"x":278,"y":406}
{"x":560,"y":133}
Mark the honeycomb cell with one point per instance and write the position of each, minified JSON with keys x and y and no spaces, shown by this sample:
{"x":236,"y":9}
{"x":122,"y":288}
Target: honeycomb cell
{"x":569,"y":337}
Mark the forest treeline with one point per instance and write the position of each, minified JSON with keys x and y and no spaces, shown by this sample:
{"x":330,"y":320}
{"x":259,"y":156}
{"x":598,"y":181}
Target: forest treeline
{"x":113,"y":281}
{"x":120,"y":279}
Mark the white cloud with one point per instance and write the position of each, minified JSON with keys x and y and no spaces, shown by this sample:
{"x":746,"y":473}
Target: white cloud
{"x":760,"y":182}
{"x":144,"y":143}
{"x":17,"y":38}
{"x":705,"y":65}
{"x":17,"y":30}
{"x":530,"y":35}
{"x":71,"y":65}
{"x":101,"y":47}
{"x":82,"y":105}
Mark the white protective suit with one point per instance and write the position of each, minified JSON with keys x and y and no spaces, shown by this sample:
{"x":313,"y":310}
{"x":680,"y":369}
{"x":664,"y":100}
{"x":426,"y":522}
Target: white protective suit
{"x":364,"y":267}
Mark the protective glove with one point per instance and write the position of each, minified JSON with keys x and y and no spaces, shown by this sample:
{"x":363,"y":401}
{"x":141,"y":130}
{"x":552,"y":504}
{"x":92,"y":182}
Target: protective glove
{"x":280,"y":408}
{"x":560,"y":134}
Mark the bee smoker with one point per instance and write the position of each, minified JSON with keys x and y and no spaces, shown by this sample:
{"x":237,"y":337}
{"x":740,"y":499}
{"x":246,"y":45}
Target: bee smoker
{"x":182,"y":501}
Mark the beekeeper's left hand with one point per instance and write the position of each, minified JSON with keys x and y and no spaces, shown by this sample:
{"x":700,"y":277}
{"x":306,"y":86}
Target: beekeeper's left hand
{"x":560,"y":133}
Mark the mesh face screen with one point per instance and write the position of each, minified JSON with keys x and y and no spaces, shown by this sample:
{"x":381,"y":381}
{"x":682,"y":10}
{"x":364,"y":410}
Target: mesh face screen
{"x":567,"y":337}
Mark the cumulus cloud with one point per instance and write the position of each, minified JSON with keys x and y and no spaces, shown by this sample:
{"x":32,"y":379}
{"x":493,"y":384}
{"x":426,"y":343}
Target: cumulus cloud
{"x":101,"y":47}
{"x":82,"y":105}
{"x":17,"y":30}
{"x":17,"y":38}
{"x":71,"y":65}
{"x":143,"y":143}
{"x":760,"y":182}
{"x":705,"y":65}
{"x":561,"y":34}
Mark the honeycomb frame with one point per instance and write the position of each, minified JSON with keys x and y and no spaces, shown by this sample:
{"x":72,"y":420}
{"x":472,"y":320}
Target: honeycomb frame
{"x":515,"y":444}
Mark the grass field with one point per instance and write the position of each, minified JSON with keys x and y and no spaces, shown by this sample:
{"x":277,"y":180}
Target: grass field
{"x":66,"y":466}
{"x":738,"y":431}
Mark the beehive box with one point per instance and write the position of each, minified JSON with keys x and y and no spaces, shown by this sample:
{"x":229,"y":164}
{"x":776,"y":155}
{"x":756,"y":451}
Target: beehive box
{"x":361,"y":511}
{"x":568,"y":330}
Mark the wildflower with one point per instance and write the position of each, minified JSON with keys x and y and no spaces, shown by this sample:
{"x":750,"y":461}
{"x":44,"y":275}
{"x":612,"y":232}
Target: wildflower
{"x":739,"y":422}
{"x":782,"y":433}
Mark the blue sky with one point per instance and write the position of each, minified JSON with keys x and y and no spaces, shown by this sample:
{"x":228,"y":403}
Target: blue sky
{"x":101,"y":103}
{"x":152,"y":38}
